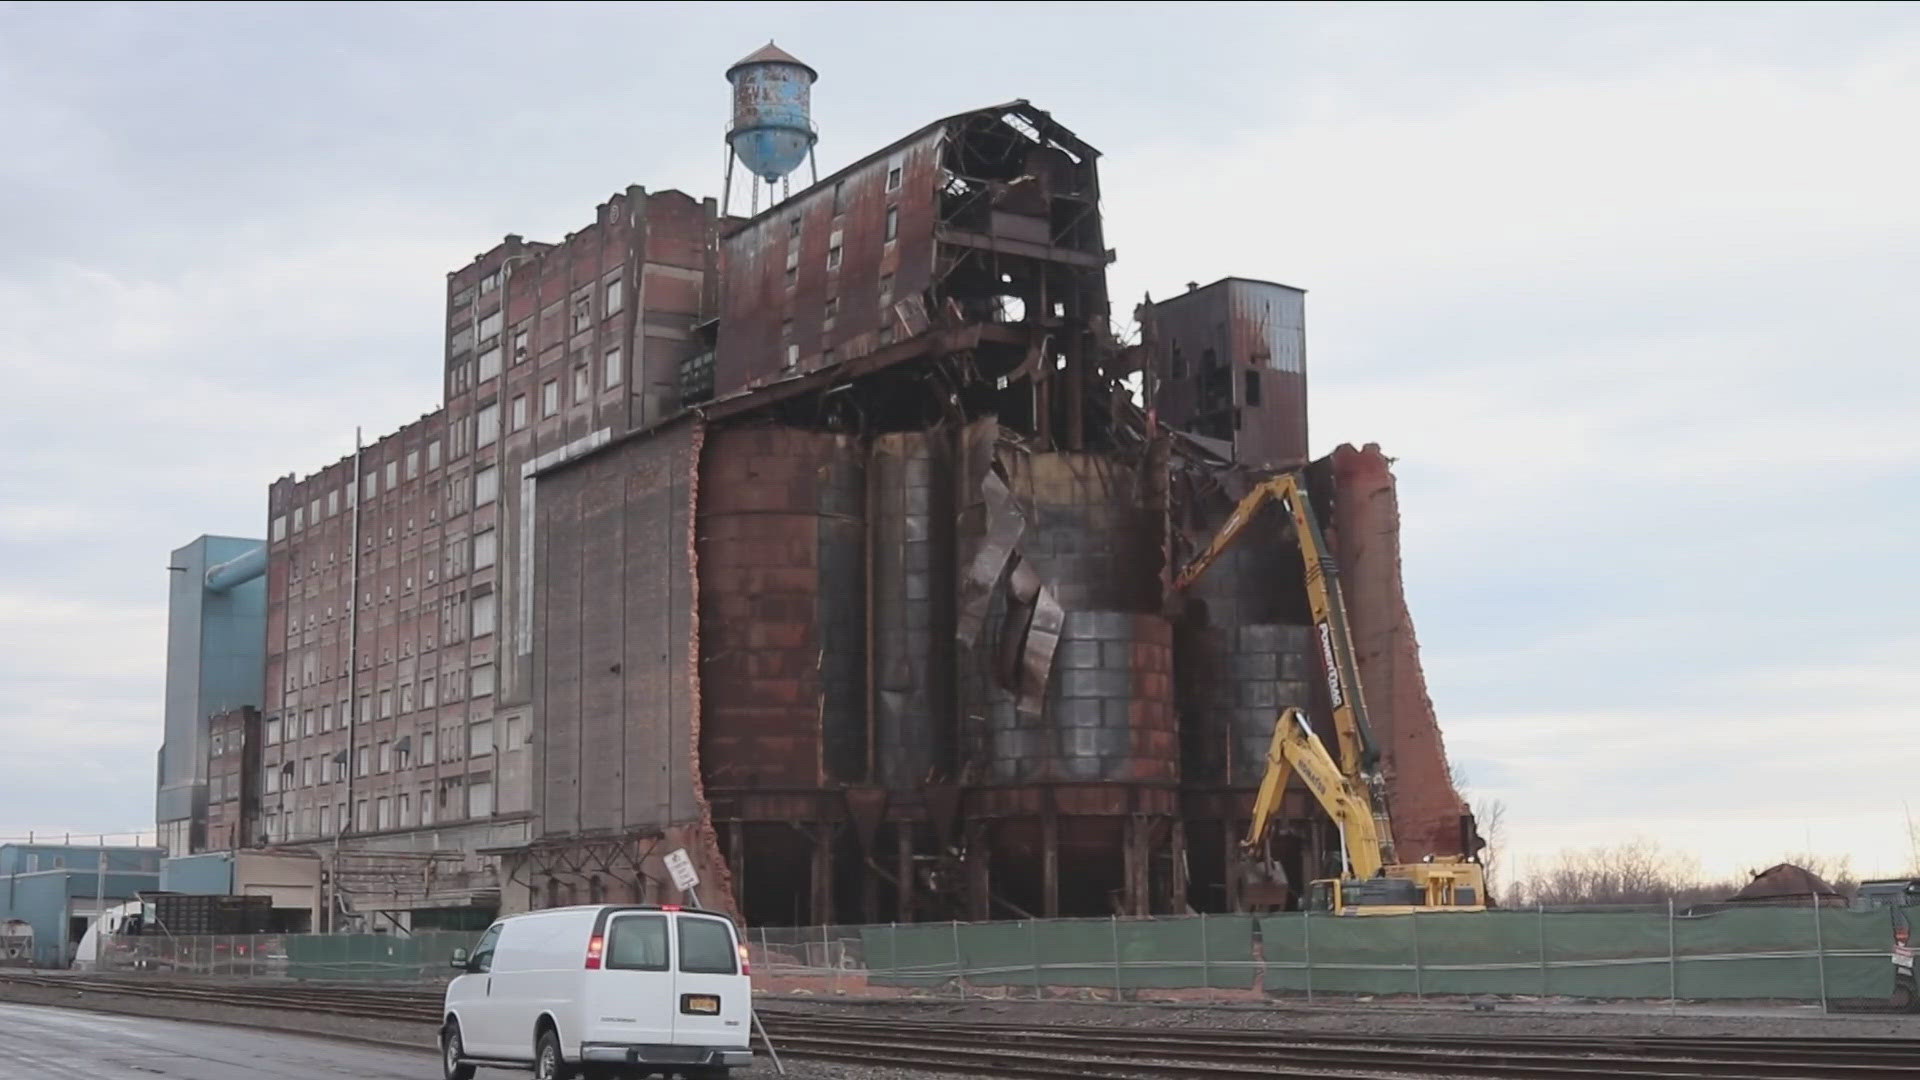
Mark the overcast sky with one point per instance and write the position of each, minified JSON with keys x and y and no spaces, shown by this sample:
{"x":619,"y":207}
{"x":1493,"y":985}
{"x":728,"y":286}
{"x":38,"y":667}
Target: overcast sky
{"x":1629,"y":292}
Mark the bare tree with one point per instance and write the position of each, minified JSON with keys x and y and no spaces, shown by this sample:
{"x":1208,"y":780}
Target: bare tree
{"x":1490,"y":814}
{"x":1638,"y":871}
{"x":1913,"y":842}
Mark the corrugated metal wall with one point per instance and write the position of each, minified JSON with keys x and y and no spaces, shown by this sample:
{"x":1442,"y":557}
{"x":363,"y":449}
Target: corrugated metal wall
{"x":1108,"y":712}
{"x":809,"y":272}
{"x":912,"y":483}
{"x":783,"y":598}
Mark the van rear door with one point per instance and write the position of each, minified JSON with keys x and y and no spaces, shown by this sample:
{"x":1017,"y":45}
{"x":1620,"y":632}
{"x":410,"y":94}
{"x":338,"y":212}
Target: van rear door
{"x":712,"y":999}
{"x":630,"y":1000}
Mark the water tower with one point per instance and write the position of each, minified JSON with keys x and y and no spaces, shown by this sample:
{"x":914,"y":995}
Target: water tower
{"x":772,"y":128}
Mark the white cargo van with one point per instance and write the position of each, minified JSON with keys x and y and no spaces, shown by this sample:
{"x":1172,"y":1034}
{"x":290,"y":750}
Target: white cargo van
{"x":627,"y":991}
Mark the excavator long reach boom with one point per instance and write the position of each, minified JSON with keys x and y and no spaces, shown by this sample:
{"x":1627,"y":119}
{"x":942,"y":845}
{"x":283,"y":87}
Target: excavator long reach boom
{"x":1359,"y":756}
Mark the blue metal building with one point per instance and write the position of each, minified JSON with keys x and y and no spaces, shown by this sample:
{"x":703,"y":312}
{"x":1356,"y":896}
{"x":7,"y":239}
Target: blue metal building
{"x":54,"y":888}
{"x":216,"y":661}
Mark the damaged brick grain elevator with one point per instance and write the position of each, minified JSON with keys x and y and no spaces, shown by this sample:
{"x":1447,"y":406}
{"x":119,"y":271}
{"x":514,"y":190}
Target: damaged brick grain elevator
{"x":877,"y":624}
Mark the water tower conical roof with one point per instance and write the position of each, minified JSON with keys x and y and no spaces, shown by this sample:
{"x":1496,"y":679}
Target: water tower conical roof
{"x":771,"y":54}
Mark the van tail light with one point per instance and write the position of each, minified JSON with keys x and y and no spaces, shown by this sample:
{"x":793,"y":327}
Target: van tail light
{"x":669,"y":907}
{"x":746,"y":966}
{"x":1899,"y":935}
{"x":595,"y":946}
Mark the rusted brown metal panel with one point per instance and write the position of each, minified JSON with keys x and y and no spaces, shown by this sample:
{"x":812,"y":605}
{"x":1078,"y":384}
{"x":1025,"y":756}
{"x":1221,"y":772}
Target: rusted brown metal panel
{"x":828,"y":245}
{"x":1230,"y":364}
{"x":782,"y":608}
{"x":912,"y":483}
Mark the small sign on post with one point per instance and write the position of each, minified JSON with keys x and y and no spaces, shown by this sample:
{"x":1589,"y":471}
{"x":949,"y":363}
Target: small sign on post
{"x":681,"y":868}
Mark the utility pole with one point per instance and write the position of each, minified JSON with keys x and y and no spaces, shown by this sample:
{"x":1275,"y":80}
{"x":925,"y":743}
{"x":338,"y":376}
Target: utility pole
{"x":355,"y":490}
{"x":100,"y":906}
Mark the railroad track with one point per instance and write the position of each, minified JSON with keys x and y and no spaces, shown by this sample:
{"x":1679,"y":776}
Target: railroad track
{"x":1235,"y":1053}
{"x":1085,"y":1052}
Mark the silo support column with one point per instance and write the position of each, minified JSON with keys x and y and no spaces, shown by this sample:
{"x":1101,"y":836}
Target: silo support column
{"x":1235,"y":862}
{"x":1050,"y":862}
{"x":737,"y":860}
{"x":823,"y":874}
{"x":870,"y":897}
{"x":1138,"y":899}
{"x":1175,"y":900}
{"x":903,"y":836}
{"x":979,"y":904}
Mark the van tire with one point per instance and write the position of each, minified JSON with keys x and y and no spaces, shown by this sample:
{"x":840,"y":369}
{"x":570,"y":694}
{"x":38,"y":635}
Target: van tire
{"x":450,"y":1049}
{"x":548,"y":1064}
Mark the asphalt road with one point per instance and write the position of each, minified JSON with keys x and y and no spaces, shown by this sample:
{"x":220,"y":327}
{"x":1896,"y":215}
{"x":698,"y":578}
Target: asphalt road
{"x":38,"y":1043}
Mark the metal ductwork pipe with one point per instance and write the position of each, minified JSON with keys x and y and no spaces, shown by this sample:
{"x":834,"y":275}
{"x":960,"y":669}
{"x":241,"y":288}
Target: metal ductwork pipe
{"x":237,"y":571}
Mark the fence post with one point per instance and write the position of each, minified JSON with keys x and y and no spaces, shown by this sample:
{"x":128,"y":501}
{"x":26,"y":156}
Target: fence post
{"x":1206,"y":959}
{"x":1673,"y":963}
{"x":1820,"y":951}
{"x":766,"y":957}
{"x":893,"y":949}
{"x":826,"y":957}
{"x":1033,"y":954}
{"x":1306,"y":949}
{"x":1419,"y":992}
{"x":959,"y":969}
{"x":1116,"y":957}
{"x":1541,"y":911}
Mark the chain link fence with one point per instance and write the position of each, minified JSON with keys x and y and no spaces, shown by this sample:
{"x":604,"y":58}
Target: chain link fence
{"x":1780,"y":953}
{"x":422,"y":957}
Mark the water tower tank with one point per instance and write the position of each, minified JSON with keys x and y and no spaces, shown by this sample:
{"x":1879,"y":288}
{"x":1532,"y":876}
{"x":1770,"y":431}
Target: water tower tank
{"x":772,"y":127}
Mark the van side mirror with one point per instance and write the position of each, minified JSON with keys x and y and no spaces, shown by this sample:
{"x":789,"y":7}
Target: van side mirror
{"x":459,"y":962}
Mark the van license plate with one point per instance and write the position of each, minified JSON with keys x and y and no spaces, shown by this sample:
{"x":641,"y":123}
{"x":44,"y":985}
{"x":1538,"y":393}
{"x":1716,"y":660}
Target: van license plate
{"x":700,"y":1004}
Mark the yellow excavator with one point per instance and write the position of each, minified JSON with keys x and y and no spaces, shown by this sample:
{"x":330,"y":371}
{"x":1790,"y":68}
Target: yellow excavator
{"x":1351,"y":791}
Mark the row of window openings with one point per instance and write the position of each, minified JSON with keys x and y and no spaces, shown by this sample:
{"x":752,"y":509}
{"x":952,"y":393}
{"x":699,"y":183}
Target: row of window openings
{"x":1249,"y":377}
{"x":319,"y":721}
{"x":486,"y":431}
{"x":488,"y":328}
{"x":830,"y":312}
{"x":485,"y":488}
{"x":840,"y":196}
{"x":487,"y":418}
{"x":369,"y":484}
{"x":388,"y":755}
{"x":450,"y":621}
{"x":487,"y":334}
{"x":481,"y":685}
{"x":378,"y":814}
{"x":835,"y":253}
{"x":483,"y":623}
{"x":480,"y":620}
{"x":482,"y":551}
